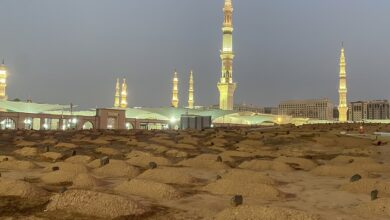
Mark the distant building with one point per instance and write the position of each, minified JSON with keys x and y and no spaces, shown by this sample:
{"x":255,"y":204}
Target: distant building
{"x":271,"y":110}
{"x":321,"y":109}
{"x":369,"y":110}
{"x":243,"y":108}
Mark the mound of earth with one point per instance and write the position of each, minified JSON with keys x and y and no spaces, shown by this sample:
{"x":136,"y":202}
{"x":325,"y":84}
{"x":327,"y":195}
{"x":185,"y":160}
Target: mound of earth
{"x":240,"y":187}
{"x":338,"y":171}
{"x":86,"y":181}
{"x":58,"y":177}
{"x":117,"y":168}
{"x":248,"y":176}
{"x":342,"y":160}
{"x":149,"y":189}
{"x":367,"y":185}
{"x":205,"y":161}
{"x":143,"y":161}
{"x":51,"y":155}
{"x":17,"y":165}
{"x":380,"y":207}
{"x":10,"y":187}
{"x":108,"y":151}
{"x":27,"y":152}
{"x":82,"y":159}
{"x":262,"y":165}
{"x":66,"y":145}
{"x":96,"y":204}
{"x":263,"y":213}
{"x":297,"y":163}
{"x":169,"y":175}
{"x":70,"y":167}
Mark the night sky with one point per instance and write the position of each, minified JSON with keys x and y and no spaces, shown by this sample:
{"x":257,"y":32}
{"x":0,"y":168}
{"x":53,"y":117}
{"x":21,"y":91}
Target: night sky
{"x":62,"y":51}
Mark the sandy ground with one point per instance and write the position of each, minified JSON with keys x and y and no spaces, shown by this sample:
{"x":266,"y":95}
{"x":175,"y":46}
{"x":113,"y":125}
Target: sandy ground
{"x":282,"y":173}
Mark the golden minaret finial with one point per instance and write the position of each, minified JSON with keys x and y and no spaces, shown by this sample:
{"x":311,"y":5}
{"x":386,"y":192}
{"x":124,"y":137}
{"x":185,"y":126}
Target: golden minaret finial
{"x":191,"y":91}
{"x":117,"y":94}
{"x":3,"y":81}
{"x":175,"y":91}
{"x":226,"y":86}
{"x":343,"y":105}
{"x":124,"y":94}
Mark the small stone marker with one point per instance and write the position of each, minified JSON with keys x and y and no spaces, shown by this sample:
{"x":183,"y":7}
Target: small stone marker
{"x":63,"y":189}
{"x":152,"y":165}
{"x":219,"y":177}
{"x":104,"y":161}
{"x":74,"y":153}
{"x":47,"y":148}
{"x":219,"y":159}
{"x":374,"y":195}
{"x":236,"y":200}
{"x":55,"y":168}
{"x":355,"y":178}
{"x":5,"y":159}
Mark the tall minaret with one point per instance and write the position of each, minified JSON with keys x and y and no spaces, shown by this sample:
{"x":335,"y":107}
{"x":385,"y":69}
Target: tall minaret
{"x":226,"y":86}
{"x":175,"y":91}
{"x":191,"y":91}
{"x":3,"y":81}
{"x":343,"y":105}
{"x":117,"y":94}
{"x":124,"y":94}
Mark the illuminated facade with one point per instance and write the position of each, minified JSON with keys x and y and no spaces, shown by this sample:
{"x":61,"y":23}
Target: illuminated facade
{"x":175,"y":91}
{"x":191,"y":91}
{"x":117,"y":94}
{"x":320,"y":109}
{"x":3,"y":81}
{"x":124,"y":94}
{"x":226,"y":86}
{"x":343,"y":108}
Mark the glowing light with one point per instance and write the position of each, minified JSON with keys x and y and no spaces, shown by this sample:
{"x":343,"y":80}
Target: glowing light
{"x":74,"y":120}
{"x":45,"y":126}
{"x":173,"y":120}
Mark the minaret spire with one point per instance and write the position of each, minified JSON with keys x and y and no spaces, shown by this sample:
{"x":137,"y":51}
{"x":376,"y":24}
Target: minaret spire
{"x":117,"y":94}
{"x":175,"y":91}
{"x":3,"y":81}
{"x":226,"y":86}
{"x":191,"y":91}
{"x":124,"y":94}
{"x":343,"y":107}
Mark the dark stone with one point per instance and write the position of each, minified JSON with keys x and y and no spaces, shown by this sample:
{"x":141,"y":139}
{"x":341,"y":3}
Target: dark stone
{"x":74,"y":153}
{"x":219,"y":159}
{"x":104,"y":161}
{"x":62,"y":189}
{"x":219,"y":177}
{"x":47,"y":148}
{"x":374,"y":195}
{"x":355,"y":178}
{"x":350,"y":161}
{"x":5,"y":159}
{"x":236,"y":200}
{"x":55,"y":168}
{"x":152,"y":165}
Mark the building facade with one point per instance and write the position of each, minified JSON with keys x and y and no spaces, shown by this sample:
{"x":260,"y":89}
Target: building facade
{"x":226,"y":86}
{"x":369,"y":110}
{"x":321,"y":109}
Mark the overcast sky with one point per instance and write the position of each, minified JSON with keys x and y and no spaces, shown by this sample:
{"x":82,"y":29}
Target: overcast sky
{"x":62,"y":51}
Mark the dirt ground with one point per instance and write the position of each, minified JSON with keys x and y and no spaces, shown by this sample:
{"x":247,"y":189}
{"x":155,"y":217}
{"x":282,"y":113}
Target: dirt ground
{"x":282,"y":173}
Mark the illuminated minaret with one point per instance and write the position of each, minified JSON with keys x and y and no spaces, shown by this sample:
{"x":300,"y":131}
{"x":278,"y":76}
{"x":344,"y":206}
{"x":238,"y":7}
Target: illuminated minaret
{"x":191,"y":92}
{"x":175,"y":91}
{"x":226,"y":86}
{"x":124,"y":94}
{"x":343,"y":107}
{"x":3,"y":81}
{"x":117,"y":94}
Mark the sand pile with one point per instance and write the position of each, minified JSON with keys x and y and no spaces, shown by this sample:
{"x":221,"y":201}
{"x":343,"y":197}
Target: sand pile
{"x":350,"y":169}
{"x":163,"y":141}
{"x":218,"y":142}
{"x":149,"y":189}
{"x":367,"y":185}
{"x":169,"y":175}
{"x":25,"y":143}
{"x":189,"y":140}
{"x":137,"y":153}
{"x":95,"y":204}
{"x":176,"y":153}
{"x":248,"y":176}
{"x":205,"y":161}
{"x":233,"y":153}
{"x":263,"y":213}
{"x":262,"y":165}
{"x":52,"y":155}
{"x":82,"y":159}
{"x":58,"y":177}
{"x":108,"y":151}
{"x":17,"y":165}
{"x":71,"y":167}
{"x":297,"y":163}
{"x":50,"y":141}
{"x":117,"y":168}
{"x":143,"y":161}
{"x":156,"y":148}
{"x":65,"y":145}
{"x":10,"y":187}
{"x":27,"y":151}
{"x":240,"y":187}
{"x":6,"y":158}
{"x":342,"y":160}
{"x":86,"y":181}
